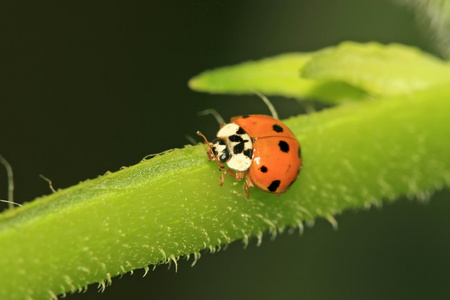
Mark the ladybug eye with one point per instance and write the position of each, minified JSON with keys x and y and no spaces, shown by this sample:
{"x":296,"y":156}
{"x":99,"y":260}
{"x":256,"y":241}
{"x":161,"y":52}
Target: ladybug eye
{"x":220,"y":150}
{"x":214,"y":151}
{"x":223,"y":158}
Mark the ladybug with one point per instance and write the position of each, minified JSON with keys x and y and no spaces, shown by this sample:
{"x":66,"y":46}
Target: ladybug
{"x":257,"y":148}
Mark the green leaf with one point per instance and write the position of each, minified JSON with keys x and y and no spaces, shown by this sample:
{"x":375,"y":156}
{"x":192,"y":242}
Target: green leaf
{"x":279,"y":75}
{"x":378,"y":69}
{"x":350,"y":71}
{"x":355,"y":156}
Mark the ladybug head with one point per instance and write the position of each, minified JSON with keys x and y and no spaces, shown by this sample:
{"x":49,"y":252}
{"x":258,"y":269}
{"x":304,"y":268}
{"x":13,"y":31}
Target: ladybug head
{"x":218,"y":150}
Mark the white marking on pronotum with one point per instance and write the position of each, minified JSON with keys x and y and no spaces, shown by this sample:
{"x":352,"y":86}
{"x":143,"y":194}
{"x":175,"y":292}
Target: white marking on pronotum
{"x":239,"y":162}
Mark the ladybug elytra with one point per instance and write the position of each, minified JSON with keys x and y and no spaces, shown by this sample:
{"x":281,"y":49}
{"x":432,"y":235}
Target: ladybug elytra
{"x":257,"y":148}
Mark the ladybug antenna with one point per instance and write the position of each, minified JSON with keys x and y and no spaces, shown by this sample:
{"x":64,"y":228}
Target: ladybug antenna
{"x":267,"y":102}
{"x":213,"y":112}
{"x":204,"y":137}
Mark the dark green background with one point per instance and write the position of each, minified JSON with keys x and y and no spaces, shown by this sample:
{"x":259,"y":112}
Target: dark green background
{"x":89,"y":87}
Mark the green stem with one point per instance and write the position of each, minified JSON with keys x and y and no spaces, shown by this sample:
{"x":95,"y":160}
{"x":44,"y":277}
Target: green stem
{"x":355,"y":156}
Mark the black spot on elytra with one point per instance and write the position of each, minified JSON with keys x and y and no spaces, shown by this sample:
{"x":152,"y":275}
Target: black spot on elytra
{"x":238,"y":148}
{"x":274,"y":185}
{"x":263,"y":169}
{"x":248,"y":153}
{"x":299,"y":152}
{"x":277,"y":128}
{"x":246,"y":116}
{"x":240,"y":131}
{"x":236,"y":138}
{"x":284,"y":146}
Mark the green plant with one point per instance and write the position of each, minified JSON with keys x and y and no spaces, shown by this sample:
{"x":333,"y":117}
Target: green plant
{"x":389,"y":139}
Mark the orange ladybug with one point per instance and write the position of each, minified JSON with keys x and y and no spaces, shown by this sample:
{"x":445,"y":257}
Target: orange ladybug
{"x":260,"y":149}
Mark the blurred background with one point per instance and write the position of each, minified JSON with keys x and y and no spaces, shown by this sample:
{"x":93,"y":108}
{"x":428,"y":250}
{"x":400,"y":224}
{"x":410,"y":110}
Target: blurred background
{"x":90,"y":87}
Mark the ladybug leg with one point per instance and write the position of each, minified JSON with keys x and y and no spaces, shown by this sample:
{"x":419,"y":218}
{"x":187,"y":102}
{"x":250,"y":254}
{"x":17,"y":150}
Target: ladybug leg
{"x":247,"y":184}
{"x":222,"y":178}
{"x":238,"y":175}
